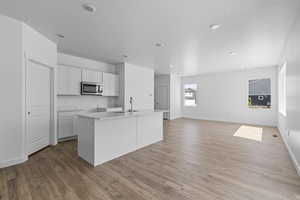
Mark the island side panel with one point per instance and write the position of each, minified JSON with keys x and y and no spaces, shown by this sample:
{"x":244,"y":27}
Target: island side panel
{"x":86,"y":140}
{"x":149,"y":129}
{"x":114,"y":138}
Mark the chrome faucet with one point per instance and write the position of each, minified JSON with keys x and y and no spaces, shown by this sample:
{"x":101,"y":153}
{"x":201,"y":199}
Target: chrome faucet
{"x":131,"y":102}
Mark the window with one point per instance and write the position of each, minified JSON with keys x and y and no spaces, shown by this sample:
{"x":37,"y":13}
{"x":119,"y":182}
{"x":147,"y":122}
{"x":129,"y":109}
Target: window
{"x":282,"y":89}
{"x":259,"y":93}
{"x":190,"y":92}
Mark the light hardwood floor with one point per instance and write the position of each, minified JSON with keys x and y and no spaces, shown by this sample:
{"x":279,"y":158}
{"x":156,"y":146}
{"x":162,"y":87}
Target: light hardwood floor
{"x":197,"y":160}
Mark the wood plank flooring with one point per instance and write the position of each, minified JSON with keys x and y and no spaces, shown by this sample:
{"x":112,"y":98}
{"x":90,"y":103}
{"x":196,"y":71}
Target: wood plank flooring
{"x":196,"y":160}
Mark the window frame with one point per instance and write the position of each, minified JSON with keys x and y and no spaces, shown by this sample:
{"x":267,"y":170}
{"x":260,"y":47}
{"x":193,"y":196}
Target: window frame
{"x":282,"y":93}
{"x":184,"y":103}
{"x":260,"y":106}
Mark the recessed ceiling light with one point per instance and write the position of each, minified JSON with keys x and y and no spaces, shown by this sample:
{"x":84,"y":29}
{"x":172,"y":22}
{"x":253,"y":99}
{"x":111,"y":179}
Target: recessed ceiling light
{"x":159,"y":45}
{"x":171,"y":66}
{"x":214,"y":26}
{"x":232,"y":53}
{"x":89,"y":7}
{"x":60,"y":36}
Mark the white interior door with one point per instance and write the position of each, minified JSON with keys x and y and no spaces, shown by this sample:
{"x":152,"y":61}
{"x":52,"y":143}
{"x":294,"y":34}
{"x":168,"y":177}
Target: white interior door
{"x":38,"y":103}
{"x":162,"y":97}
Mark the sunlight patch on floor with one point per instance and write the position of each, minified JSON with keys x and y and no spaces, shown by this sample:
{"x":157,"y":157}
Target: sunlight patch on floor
{"x":249,"y":132}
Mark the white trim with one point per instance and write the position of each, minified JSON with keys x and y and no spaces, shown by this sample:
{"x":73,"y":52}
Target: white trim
{"x":293,"y":157}
{"x":30,"y":58}
{"x":15,"y":161}
{"x":176,"y":117}
{"x":282,"y":89}
{"x":24,"y":137}
{"x":228,"y":121}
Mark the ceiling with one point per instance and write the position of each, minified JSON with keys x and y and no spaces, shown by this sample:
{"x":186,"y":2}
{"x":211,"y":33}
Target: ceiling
{"x":255,"y":29}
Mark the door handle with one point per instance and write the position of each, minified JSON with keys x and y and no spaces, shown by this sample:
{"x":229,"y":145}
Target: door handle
{"x":28,"y":113}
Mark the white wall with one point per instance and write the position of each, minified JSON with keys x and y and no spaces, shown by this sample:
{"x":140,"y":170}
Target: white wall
{"x":175,"y":96}
{"x":17,"y":39}
{"x":38,"y":47}
{"x":289,"y":125}
{"x":224,"y":97}
{"x":11,"y":85}
{"x":85,"y":102}
{"x":138,"y":82}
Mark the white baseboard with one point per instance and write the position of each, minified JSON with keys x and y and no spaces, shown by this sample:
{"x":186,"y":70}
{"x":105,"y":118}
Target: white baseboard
{"x":293,"y":157}
{"x":178,"y":117}
{"x":7,"y":163}
{"x":228,"y":121}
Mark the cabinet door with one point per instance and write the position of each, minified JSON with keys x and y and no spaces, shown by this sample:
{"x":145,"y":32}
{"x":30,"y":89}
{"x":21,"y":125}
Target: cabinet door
{"x":110,"y":84}
{"x":149,"y":129}
{"x":115,"y":85}
{"x":74,"y":81}
{"x":65,"y":125}
{"x":69,"y":79}
{"x":106,"y":84}
{"x":92,"y":76}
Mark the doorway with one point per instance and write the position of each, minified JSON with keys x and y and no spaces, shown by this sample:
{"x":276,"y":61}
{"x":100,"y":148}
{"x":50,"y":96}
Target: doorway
{"x":162,"y":99}
{"x":40,"y":101}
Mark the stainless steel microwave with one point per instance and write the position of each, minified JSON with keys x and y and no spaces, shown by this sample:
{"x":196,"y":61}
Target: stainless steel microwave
{"x":88,"y":88}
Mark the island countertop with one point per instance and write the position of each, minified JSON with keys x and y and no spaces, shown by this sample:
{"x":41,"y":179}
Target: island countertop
{"x":106,"y":136}
{"x":115,"y":115}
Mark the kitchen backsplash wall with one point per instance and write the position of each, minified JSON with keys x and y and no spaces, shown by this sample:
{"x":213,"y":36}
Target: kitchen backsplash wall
{"x":85,"y":102}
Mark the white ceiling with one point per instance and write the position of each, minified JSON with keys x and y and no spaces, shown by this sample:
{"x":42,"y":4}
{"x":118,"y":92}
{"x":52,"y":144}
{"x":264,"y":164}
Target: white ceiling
{"x":255,"y":29}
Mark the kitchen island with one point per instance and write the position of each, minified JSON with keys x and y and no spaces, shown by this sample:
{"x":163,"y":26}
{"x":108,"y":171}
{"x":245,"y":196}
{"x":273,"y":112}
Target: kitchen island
{"x":105,"y":136}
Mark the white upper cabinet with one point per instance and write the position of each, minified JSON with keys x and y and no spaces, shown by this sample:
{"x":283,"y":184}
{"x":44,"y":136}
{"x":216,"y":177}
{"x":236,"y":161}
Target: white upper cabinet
{"x":92,"y":76}
{"x":68,"y":80}
{"x":110,"y":84}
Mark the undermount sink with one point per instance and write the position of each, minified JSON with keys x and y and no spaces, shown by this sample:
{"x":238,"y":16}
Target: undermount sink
{"x":96,"y":110}
{"x":128,"y":111}
{"x":103,"y":110}
{"x":133,"y":111}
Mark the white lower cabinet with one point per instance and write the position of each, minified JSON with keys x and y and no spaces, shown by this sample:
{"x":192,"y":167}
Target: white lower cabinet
{"x":149,"y":129}
{"x":103,"y":139}
{"x":66,"y":124}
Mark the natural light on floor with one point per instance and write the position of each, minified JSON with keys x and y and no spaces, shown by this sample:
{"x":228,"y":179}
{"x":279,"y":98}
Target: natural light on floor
{"x":249,"y":132}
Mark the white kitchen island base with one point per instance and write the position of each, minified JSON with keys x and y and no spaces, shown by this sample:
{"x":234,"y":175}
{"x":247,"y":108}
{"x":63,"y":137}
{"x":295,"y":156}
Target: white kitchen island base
{"x":103,"y":137}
